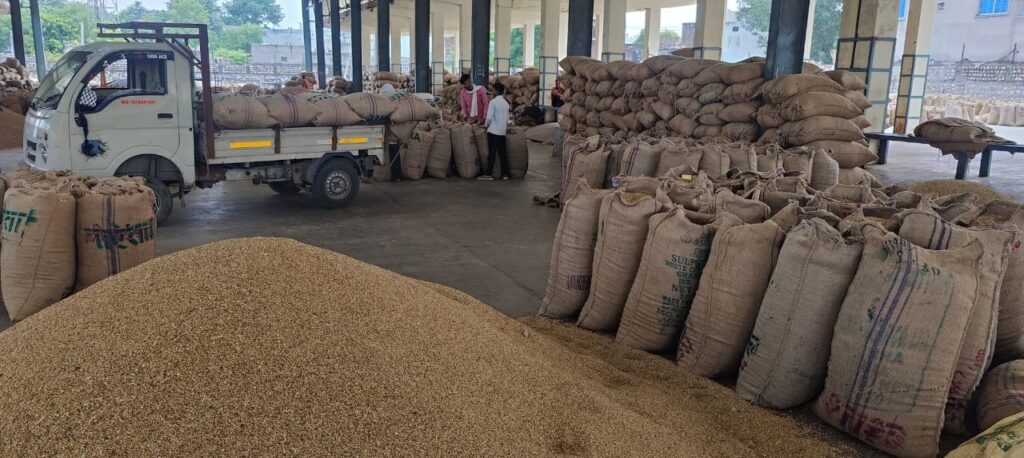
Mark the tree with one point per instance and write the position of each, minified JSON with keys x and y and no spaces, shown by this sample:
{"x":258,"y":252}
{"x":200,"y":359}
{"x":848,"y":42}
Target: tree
{"x":186,"y":11}
{"x":516,"y":51}
{"x":136,"y":12}
{"x":755,"y":16}
{"x":258,"y":12}
{"x":237,"y":37}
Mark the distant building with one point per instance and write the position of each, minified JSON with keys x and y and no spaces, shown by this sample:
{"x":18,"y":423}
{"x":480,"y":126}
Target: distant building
{"x":977,"y":30}
{"x":285,"y":47}
{"x":740,"y":43}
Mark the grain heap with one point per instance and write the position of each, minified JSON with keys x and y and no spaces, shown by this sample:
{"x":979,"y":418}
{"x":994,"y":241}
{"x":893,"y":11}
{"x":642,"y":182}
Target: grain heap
{"x":12,"y":128}
{"x":724,"y":102}
{"x":749,"y":274}
{"x":197,"y":353}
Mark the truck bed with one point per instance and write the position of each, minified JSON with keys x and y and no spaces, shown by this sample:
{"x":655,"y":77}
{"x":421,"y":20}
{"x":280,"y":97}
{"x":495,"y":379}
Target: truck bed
{"x":258,"y":145}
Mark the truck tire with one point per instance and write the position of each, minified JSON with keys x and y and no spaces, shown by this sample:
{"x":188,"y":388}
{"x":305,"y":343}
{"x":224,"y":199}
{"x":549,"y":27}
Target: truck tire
{"x":164,"y":199}
{"x":335,"y":185}
{"x":284,"y":188}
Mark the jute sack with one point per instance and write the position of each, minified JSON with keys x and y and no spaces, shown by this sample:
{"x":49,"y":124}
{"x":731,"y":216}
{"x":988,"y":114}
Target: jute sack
{"x":1002,"y":440}
{"x":673,"y":258}
{"x":858,"y":98}
{"x":896,"y":341}
{"x":290,"y":110}
{"x":640,"y":158}
{"x":749,"y":211}
{"x":689,"y":189}
{"x":370,"y":107}
{"x":440,"y":157}
{"x":37,"y":258}
{"x":572,"y":254}
{"x":464,"y":151}
{"x":769,"y":116}
{"x":116,"y":229}
{"x":740,"y":112}
{"x":482,"y":151}
{"x":1001,"y":394}
{"x":1010,"y":329}
{"x":620,"y":241}
{"x":676,"y":155}
{"x":588,"y":161}
{"x":786,"y":358}
{"x":334,"y":111}
{"x":682,"y":125}
{"x":846,"y":79}
{"x":858,"y":176}
{"x":518,"y":152}
{"x":739,"y":131}
{"x":414,"y":154}
{"x":847,"y":154}
{"x":742,"y":92}
{"x":812,"y":104}
{"x":731,"y":289}
{"x":714,"y":161}
{"x":742,"y":155}
{"x":797,"y":133}
{"x":411,"y":108}
{"x":238,"y":111}
{"x":927,"y":230}
{"x":824,"y":170}
{"x":782,"y":89}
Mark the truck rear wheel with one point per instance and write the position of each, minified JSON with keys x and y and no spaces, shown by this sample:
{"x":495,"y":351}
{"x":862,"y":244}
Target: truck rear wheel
{"x":284,"y":188}
{"x":164,"y":199}
{"x":335,"y":185}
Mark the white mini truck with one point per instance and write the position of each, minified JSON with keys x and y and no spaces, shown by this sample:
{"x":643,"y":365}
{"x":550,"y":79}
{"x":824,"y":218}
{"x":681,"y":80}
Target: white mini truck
{"x":132,"y":107}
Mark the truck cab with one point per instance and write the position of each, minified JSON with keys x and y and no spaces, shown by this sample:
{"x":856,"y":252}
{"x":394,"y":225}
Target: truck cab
{"x":133,"y":107}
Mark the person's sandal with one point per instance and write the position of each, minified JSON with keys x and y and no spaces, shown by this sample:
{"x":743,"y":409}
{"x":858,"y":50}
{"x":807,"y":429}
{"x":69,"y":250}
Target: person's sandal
{"x":485,"y":178}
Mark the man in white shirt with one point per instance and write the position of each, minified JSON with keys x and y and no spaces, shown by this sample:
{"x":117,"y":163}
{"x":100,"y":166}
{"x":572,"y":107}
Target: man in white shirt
{"x":496,"y":123}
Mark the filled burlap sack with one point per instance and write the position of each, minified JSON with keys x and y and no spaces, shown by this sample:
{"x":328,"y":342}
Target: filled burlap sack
{"x":588,"y":161}
{"x":688,"y":106}
{"x":689,"y":189}
{"x":714,"y":161}
{"x":640,"y":158}
{"x":678,"y":154}
{"x":115,"y":230}
{"x":1009,"y":216}
{"x":742,"y":155}
{"x":334,"y":111}
{"x":414,"y":153}
{"x":682,"y":125}
{"x":747,"y":210}
{"x":739,"y":131}
{"x":847,"y":154}
{"x":620,"y":240}
{"x":467,"y":161}
{"x":818,"y":128}
{"x":290,"y":110}
{"x":411,"y":108}
{"x":742,"y":92}
{"x":1001,"y":394}
{"x":729,"y":294}
{"x":1001,"y":440}
{"x":954,"y":135}
{"x":787,"y":357}
{"x":518,"y":152}
{"x":370,"y":107}
{"x":768,"y":117}
{"x":779,"y":90}
{"x":858,"y":98}
{"x":846,"y":79}
{"x":674,"y":255}
{"x":483,"y":152}
{"x":440,"y":158}
{"x":710,"y":93}
{"x":770,"y":137}
{"x":572,"y":254}
{"x":858,"y":176}
{"x":238,"y":111}
{"x":926,"y":229}
{"x":740,"y":72}
{"x":740,"y":112}
{"x":812,"y":104}
{"x":708,"y":115}
{"x":824,"y":170}
{"x":896,"y":342}
{"x":37,"y":258}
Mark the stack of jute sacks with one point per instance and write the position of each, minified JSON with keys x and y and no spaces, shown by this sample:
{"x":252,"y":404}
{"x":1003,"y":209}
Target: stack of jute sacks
{"x":522,"y":91}
{"x":14,"y":75}
{"x":63,"y":233}
{"x":441,"y":149}
{"x":339,"y":85}
{"x":881,"y":306}
{"x":676,"y":96}
{"x":400,"y":82}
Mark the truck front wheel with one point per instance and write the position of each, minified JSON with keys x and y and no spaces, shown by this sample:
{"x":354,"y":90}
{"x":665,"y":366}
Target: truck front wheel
{"x":335,"y":185}
{"x":164,"y":199}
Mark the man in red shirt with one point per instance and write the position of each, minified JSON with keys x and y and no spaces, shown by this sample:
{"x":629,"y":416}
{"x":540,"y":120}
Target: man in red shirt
{"x":473,"y":101}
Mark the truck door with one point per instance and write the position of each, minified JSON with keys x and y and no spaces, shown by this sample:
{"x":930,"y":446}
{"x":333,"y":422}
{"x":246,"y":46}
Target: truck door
{"x":135,"y":111}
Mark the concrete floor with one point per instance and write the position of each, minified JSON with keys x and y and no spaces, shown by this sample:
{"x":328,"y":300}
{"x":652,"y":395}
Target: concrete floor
{"x":485,"y":238}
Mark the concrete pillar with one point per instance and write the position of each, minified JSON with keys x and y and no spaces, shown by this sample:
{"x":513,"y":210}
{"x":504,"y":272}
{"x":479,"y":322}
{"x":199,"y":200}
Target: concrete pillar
{"x":436,"y":51}
{"x":580,"y":33}
{"x":652,"y":27}
{"x":550,"y":24}
{"x":321,"y":57}
{"x":37,"y":37}
{"x":419,"y":45}
{"x":384,"y":35}
{"x":358,"y":45}
{"x":481,"y":29}
{"x":412,"y":40}
{"x":595,"y":50}
{"x":810,"y":30}
{"x":787,"y":30}
{"x":613,"y":31}
{"x":18,"y":34}
{"x":529,"y":42}
{"x":502,"y":37}
{"x":914,"y":65}
{"x":307,"y":42}
{"x":395,"y":38}
{"x":334,"y":6}
{"x":867,"y":42}
{"x":369,"y":58}
{"x":707,"y":36}
{"x":465,"y":57}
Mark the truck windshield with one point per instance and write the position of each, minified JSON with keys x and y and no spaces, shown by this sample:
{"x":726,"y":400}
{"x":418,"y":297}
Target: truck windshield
{"x":58,"y":79}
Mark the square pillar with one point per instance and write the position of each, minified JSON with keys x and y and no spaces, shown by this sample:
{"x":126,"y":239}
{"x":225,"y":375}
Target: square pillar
{"x":867,"y":42}
{"x":529,"y":42}
{"x":652,"y":28}
{"x":481,"y":28}
{"x":18,"y":34}
{"x":411,"y":24}
{"x":502,"y":37}
{"x":580,"y":33}
{"x":396,"y":46}
{"x":465,"y":57}
{"x":786,"y":37}
{"x":707,"y":35}
{"x":550,"y":23}
{"x":563,"y":35}
{"x":358,"y":44}
{"x":613,"y":31}
{"x":384,"y":35}
{"x":914,"y":65}
{"x":436,"y":52}
{"x":810,"y":30}
{"x":321,"y":51}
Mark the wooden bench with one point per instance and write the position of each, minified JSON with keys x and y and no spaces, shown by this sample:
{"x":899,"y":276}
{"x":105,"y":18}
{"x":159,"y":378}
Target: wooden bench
{"x":963,"y":160}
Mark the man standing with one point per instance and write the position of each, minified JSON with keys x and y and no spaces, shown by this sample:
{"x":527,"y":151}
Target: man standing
{"x":496,"y":123}
{"x":473,"y":101}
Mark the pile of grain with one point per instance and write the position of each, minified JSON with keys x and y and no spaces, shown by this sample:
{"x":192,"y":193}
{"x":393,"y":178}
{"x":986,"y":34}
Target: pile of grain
{"x":950,"y":187}
{"x":12,"y":127}
{"x":258,"y":346}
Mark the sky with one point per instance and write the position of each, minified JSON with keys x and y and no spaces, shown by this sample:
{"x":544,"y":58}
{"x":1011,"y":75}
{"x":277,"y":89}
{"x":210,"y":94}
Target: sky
{"x":670,"y":17}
